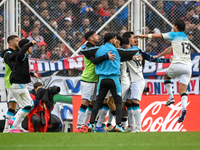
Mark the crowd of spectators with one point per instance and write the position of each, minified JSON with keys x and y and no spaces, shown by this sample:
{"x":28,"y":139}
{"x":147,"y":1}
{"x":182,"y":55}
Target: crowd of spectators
{"x":71,"y":19}
{"x":189,"y":11}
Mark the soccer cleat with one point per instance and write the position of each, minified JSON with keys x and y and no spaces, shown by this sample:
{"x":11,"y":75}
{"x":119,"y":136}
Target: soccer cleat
{"x":99,"y":129}
{"x":85,"y":128}
{"x":10,"y":122}
{"x":109,"y":128}
{"x":15,"y":131}
{"x":182,"y":116}
{"x":6,"y":130}
{"x":23,"y":130}
{"x":119,"y":129}
{"x":91,"y":128}
{"x":170,"y":101}
{"x":130,"y":129}
{"x":80,"y":130}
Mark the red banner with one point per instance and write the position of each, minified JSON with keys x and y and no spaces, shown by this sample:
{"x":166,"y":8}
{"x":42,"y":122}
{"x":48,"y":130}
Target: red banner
{"x":158,"y":117}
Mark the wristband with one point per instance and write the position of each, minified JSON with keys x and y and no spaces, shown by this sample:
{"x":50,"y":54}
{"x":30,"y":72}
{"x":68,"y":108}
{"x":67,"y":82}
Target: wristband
{"x":150,"y":36}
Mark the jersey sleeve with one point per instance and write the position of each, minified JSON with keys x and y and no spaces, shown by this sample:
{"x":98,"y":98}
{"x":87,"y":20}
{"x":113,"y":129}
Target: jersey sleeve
{"x":126,"y":54}
{"x":89,"y":53}
{"x":168,"y":36}
{"x":150,"y":58}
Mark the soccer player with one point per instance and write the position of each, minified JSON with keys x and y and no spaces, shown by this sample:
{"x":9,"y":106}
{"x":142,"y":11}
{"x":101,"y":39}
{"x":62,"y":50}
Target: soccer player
{"x":137,"y":84}
{"x":19,"y":79}
{"x":89,"y":78}
{"x":13,"y":41}
{"x":181,"y":65}
{"x":109,"y":72}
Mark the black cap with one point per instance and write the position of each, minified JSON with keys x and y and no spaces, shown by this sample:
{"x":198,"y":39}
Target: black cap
{"x":23,"y":42}
{"x":88,"y":34}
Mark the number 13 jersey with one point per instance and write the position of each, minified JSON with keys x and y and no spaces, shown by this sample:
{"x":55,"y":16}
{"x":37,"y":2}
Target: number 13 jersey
{"x":180,"y":45}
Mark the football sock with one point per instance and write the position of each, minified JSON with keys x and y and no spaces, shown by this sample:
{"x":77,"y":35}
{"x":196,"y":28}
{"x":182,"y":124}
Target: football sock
{"x":110,"y":117}
{"x":131,"y":122}
{"x":81,"y":115}
{"x":87,"y":114}
{"x":102,"y":115}
{"x":9,"y":115}
{"x":137,"y":115}
{"x":184,"y":99}
{"x":22,"y":113}
{"x":168,"y":86}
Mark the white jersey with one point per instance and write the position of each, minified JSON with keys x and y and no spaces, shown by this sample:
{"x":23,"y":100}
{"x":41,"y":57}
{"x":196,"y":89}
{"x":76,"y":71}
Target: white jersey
{"x":135,"y":69}
{"x":125,"y":78}
{"x":180,"y":45}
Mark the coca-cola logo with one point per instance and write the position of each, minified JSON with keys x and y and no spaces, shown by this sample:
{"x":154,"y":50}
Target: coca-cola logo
{"x":158,"y":117}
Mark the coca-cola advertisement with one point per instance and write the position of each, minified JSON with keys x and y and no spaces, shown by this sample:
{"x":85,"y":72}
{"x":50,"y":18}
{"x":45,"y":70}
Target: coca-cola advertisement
{"x":157,"y":117}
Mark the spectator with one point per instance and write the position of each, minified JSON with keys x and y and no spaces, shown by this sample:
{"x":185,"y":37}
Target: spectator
{"x":61,"y":9}
{"x":114,"y":24}
{"x":178,"y":11}
{"x":122,"y":32}
{"x":56,"y":53}
{"x":102,"y":9}
{"x":26,"y":26}
{"x":123,"y":15}
{"x":156,"y":46}
{"x":149,"y":48}
{"x":35,"y":36}
{"x":40,"y":118}
{"x":85,"y":24}
{"x":189,"y":17}
{"x":65,"y":52}
{"x":73,"y":5}
{"x":45,"y":15}
{"x":41,"y":52}
{"x":26,"y":12}
{"x":197,"y":11}
{"x":154,"y":17}
{"x":99,"y":23}
{"x":70,"y":31}
{"x":78,"y":38}
{"x":88,"y":12}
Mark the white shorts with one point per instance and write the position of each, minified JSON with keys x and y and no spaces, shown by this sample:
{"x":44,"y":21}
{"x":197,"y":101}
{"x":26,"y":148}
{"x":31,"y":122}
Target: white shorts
{"x":88,"y":91}
{"x":10,"y":96}
{"x":182,"y":71}
{"x":22,"y":95}
{"x":125,"y":91}
{"x":137,"y":88}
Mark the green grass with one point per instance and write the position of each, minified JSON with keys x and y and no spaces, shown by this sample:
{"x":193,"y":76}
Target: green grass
{"x":103,"y":141}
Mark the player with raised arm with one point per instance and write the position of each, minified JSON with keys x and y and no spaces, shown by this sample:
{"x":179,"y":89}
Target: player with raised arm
{"x":181,"y":65}
{"x":19,"y":79}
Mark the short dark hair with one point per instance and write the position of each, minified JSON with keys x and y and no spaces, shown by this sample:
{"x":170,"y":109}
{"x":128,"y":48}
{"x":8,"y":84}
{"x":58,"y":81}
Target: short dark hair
{"x":180,"y":25}
{"x":127,"y":34}
{"x":109,"y":36}
{"x":36,"y":84}
{"x":125,"y":40}
{"x":119,"y":38}
{"x":88,"y":34}
{"x":11,"y":37}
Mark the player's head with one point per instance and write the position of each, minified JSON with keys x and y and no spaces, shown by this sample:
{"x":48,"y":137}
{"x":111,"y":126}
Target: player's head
{"x":111,"y":38}
{"x":24,"y":42}
{"x":36,"y":86}
{"x":13,"y":40}
{"x":179,"y":25}
{"x":118,"y":42}
{"x":92,"y":37}
{"x":130,"y":36}
{"x":125,"y":43}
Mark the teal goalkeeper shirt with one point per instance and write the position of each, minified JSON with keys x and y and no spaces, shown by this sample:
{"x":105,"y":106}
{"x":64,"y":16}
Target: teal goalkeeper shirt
{"x":108,"y":67}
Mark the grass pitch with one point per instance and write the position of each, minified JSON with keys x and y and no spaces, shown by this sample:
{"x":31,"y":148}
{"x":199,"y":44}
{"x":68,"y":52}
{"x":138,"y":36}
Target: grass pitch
{"x":103,"y":141}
